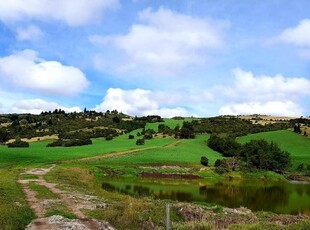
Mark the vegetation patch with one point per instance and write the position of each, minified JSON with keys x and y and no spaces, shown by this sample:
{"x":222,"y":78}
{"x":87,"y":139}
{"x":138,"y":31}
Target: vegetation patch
{"x":42,"y":191}
{"x":169,"y":175}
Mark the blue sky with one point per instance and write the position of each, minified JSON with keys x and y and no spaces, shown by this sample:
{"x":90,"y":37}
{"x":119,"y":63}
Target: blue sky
{"x":141,"y":57}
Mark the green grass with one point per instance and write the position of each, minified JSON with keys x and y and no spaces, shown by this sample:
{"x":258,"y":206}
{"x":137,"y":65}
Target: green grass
{"x":14,"y":211}
{"x":38,"y":153}
{"x":297,"y":145}
{"x":42,"y":191}
{"x":185,"y":152}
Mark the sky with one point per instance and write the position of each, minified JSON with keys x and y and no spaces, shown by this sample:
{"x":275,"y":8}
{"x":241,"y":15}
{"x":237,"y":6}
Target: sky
{"x":165,"y":57}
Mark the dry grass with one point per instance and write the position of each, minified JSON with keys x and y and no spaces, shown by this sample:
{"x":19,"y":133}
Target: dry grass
{"x":34,"y":139}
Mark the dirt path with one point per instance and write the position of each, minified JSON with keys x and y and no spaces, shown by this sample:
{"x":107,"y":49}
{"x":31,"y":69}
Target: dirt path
{"x":72,"y":201}
{"x":114,"y":154}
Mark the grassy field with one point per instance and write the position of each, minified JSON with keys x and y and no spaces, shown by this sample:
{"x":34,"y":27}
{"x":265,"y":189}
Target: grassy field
{"x":296,"y":144}
{"x":38,"y":153}
{"x":182,"y":152}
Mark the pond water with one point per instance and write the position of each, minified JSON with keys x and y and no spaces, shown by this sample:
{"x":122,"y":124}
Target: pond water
{"x":285,"y":198}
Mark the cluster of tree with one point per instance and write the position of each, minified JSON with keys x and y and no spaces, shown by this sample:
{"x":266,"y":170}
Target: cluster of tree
{"x":234,"y":126}
{"x":166,"y":130}
{"x":150,"y":119}
{"x":4,"y":135}
{"x":148,"y":134}
{"x":18,"y":144}
{"x":70,"y":143}
{"x":57,"y":122}
{"x":95,"y":133}
{"x":257,"y":154}
{"x":227,"y":164}
{"x":224,"y":144}
{"x":185,"y":132}
{"x":304,"y":169}
{"x":297,"y":128}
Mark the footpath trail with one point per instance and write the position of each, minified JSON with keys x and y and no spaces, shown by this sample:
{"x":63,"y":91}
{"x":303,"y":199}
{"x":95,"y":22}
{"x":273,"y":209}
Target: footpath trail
{"x":72,"y":202}
{"x":113,"y":154}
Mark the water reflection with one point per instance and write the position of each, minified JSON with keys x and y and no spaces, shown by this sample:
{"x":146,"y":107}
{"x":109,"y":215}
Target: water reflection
{"x":279,"y":198}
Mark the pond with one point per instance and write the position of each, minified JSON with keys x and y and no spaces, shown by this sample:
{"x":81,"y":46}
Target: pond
{"x":284,"y":198}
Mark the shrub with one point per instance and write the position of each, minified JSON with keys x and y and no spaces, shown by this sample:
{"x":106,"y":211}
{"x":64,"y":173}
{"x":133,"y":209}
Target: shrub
{"x":148,"y":136}
{"x":109,"y":138}
{"x":204,"y":161}
{"x":221,"y":170}
{"x":140,"y":142}
{"x":55,"y":143}
{"x":131,"y":136}
{"x":70,"y":143}
{"x":301,"y":168}
{"x":18,"y":144}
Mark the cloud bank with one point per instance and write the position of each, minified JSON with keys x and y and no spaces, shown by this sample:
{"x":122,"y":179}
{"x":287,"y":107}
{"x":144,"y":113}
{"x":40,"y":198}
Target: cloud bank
{"x":163,"y":42}
{"x":137,"y":102}
{"x":277,"y":95}
{"x":71,"y":12}
{"x":25,"y":70}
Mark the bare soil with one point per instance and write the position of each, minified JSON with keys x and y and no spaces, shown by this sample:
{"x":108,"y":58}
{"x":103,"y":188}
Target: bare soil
{"x":75,"y":202}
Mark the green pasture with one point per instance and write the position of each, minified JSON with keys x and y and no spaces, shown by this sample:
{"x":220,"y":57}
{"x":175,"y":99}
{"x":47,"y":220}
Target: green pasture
{"x":182,"y":152}
{"x":38,"y":153}
{"x":296,"y":144}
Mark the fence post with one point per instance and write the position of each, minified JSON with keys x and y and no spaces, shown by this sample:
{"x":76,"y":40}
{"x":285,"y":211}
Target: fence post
{"x":168,"y":216}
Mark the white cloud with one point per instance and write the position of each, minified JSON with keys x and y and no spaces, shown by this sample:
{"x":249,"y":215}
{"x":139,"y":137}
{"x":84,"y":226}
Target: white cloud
{"x":263,"y":94}
{"x":248,"y":87}
{"x":138,"y":102}
{"x":280,"y":108}
{"x":72,"y":12}
{"x":299,"y":35}
{"x":164,"y":42}
{"x":28,"y":33}
{"x":36,"y":106}
{"x":26,"y":70}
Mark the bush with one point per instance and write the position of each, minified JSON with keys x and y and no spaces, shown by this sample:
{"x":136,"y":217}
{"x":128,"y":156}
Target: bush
{"x":109,"y":138}
{"x":55,"y":143}
{"x":221,"y":170}
{"x":140,"y":142}
{"x":70,"y":143}
{"x":18,"y":144}
{"x":301,"y":168}
{"x":131,"y":137}
{"x":218,"y":162}
{"x":204,"y":161}
{"x":148,"y":136}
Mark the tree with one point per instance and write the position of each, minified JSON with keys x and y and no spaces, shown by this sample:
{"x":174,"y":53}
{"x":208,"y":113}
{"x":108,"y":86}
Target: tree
{"x":4,"y":135}
{"x":187,"y":130}
{"x":140,"y":142}
{"x":204,"y":161}
{"x":227,"y":146}
{"x":297,"y":128}
{"x":262,"y":155}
